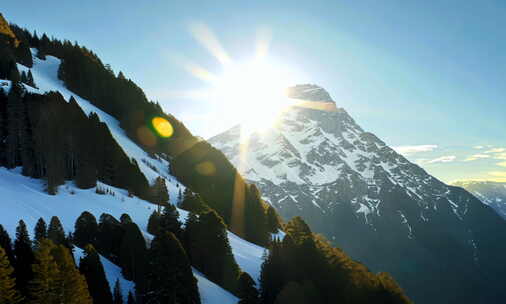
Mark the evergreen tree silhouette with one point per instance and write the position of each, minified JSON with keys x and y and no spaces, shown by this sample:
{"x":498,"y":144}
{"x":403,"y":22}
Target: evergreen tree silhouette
{"x":24,"y":257}
{"x":93,"y":270}
{"x":209,"y":249}
{"x":29,"y":79}
{"x":8,"y":292}
{"x":85,"y":229}
{"x":154,"y":223}
{"x":45,"y":286}
{"x":247,"y":292}
{"x":6,"y":244}
{"x":73,"y":288}
{"x":109,"y":237}
{"x":170,"y":278}
{"x":40,"y":231}
{"x":132,"y":257}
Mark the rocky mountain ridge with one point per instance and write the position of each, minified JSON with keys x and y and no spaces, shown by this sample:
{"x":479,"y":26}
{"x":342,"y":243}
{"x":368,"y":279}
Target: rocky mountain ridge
{"x":317,"y":162}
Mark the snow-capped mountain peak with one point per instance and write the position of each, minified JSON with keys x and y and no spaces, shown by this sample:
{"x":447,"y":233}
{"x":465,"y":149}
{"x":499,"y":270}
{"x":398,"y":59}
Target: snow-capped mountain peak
{"x":309,"y":92}
{"x":321,"y":149}
{"x":318,"y":163}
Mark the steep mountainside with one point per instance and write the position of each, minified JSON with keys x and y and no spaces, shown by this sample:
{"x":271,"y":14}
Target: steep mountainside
{"x":25,"y":198}
{"x":77,"y":141}
{"x":372,"y":202}
{"x":492,"y":194}
{"x":5,"y":28}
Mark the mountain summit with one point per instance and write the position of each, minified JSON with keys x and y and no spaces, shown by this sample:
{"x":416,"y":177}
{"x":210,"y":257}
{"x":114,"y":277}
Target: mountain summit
{"x":383,"y":210}
{"x":309,"y":92}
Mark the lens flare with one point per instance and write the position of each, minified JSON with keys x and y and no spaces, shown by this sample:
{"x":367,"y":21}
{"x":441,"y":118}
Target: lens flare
{"x":206,"y":168}
{"x":162,"y":127}
{"x":146,"y":136}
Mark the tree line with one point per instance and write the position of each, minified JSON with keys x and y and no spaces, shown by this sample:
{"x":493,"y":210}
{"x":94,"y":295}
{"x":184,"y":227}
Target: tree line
{"x":304,"y":268}
{"x":54,"y":139}
{"x":43,"y":267}
{"x":300,"y":268}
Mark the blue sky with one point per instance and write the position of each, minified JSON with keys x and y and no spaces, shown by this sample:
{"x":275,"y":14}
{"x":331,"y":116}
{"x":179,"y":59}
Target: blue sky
{"x":428,"y":74}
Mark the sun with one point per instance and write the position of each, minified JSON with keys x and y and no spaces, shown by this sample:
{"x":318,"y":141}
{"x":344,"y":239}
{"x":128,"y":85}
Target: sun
{"x":252,"y":91}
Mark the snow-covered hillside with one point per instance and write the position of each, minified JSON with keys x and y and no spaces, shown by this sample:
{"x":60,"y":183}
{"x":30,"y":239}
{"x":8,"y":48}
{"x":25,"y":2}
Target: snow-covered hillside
{"x":25,"y":198}
{"x":45,"y":75}
{"x":112,"y":273}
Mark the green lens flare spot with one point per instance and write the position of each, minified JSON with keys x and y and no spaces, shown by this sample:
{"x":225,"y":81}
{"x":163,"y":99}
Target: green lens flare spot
{"x":162,"y":126}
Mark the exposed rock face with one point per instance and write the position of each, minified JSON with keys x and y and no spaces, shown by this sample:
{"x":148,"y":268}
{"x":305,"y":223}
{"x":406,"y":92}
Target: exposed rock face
{"x":390,"y":214}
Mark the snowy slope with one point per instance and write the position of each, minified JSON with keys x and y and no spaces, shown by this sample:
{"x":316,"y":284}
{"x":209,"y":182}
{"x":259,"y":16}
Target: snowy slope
{"x":211,"y":293}
{"x":247,"y":255}
{"x":25,"y":198}
{"x":45,"y":75}
{"x":112,"y":273}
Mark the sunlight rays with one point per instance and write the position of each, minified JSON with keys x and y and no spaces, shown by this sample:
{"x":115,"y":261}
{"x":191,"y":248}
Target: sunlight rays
{"x":253,"y":91}
{"x":206,"y":38}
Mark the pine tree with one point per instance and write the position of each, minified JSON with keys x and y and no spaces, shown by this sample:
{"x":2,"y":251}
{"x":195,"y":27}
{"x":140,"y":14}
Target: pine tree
{"x":8,"y":292}
{"x":93,"y":270}
{"x":56,"y":279}
{"x":209,"y":249}
{"x":255,"y":222}
{"x":154,"y":223}
{"x":169,"y":220}
{"x":109,"y":237}
{"x":133,"y":255}
{"x":14,"y":74}
{"x":40,"y":231}
{"x":73,"y":288}
{"x":272,"y":276}
{"x":23,"y":54}
{"x":24,"y":257}
{"x":247,"y":291}
{"x":85,"y":229}
{"x":6,"y":244}
{"x":46,"y":284}
{"x":14,"y":126}
{"x":160,"y":195}
{"x":170,"y":278}
{"x":273,"y":221}
{"x":298,"y":229}
{"x":30,"y":81}
{"x":125,"y":219}
{"x":23,"y":79}
{"x":118,"y":298}
{"x":55,"y":231}
{"x":193,"y":202}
